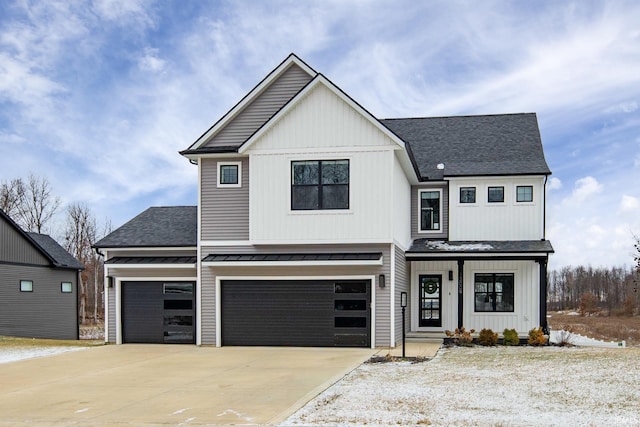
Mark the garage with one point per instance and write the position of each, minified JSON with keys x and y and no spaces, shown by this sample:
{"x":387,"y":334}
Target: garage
{"x":158,"y":312}
{"x":312,"y":313}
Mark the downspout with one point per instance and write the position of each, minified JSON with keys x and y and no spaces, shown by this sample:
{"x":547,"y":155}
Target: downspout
{"x":544,"y":209}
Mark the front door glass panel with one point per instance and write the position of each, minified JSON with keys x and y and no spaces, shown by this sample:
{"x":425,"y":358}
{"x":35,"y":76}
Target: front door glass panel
{"x":430,"y":300}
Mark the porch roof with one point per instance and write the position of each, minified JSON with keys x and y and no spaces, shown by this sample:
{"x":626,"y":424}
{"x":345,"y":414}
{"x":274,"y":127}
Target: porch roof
{"x":136,"y":260}
{"x":348,"y":258}
{"x":488,"y":248}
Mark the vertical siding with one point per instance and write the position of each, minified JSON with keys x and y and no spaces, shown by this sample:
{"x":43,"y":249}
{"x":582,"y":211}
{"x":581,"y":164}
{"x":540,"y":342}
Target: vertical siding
{"x":382,"y":295}
{"x":526,"y":301}
{"x":44,"y":313}
{"x":415,"y":208}
{"x":402,"y":283}
{"x":14,"y":247}
{"x":262,"y":108}
{"x":449,"y":291}
{"x":497,"y":221}
{"x":225,"y":211}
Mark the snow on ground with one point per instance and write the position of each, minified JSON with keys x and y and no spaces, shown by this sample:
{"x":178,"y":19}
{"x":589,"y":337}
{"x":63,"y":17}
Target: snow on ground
{"x":487,"y":386}
{"x":13,"y":354}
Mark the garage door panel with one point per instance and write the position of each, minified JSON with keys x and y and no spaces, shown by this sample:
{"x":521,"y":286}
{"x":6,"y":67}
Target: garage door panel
{"x":291,"y":313}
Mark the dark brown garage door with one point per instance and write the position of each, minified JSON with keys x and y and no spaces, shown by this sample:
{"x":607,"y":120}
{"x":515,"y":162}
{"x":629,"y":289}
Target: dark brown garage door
{"x":158,"y":312}
{"x":296,"y":313}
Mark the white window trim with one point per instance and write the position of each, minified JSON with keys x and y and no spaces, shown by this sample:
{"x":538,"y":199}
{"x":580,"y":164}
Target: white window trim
{"x":291,"y":211}
{"x":515,"y":195}
{"x":439,"y":230}
{"x":239,"y":165}
{"x":505,"y":195}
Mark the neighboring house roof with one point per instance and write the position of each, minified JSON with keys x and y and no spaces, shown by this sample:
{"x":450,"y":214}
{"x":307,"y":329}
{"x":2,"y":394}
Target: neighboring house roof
{"x":166,"y":226}
{"x":60,"y":256}
{"x":503,"y":144}
{"x":47,"y":246}
{"x":152,"y":260}
{"x":425,"y":246}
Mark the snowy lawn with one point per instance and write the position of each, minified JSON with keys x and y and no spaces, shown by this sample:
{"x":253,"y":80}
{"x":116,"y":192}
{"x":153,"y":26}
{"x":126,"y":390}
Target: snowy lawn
{"x":13,"y":349}
{"x":487,"y":386}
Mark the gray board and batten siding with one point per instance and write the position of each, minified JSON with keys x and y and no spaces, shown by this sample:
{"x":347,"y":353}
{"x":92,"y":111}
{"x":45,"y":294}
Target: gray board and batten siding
{"x":268,"y":103}
{"x":224,"y":210}
{"x":382,"y":295}
{"x":45,"y":311}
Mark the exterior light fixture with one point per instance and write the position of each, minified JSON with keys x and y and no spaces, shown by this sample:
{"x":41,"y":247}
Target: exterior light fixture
{"x":381,"y":281}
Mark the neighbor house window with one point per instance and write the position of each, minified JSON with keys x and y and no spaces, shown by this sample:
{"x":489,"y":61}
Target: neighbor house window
{"x":467,"y":194}
{"x":320,"y":184}
{"x":26,"y":285}
{"x":496,"y":195}
{"x":229,"y":174}
{"x":493,"y":292}
{"x":524,"y":193}
{"x":430,"y":210}
{"x":66,"y":287}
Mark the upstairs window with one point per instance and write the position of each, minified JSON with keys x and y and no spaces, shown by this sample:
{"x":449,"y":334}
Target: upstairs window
{"x":467,"y":194}
{"x":229,"y":174}
{"x":430,"y":210}
{"x":524,"y":193}
{"x":496,"y":195}
{"x":319,"y":184}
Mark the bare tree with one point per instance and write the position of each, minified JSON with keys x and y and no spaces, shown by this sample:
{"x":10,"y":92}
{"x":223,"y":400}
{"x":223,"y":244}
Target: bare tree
{"x":38,"y":204}
{"x":11,"y":196}
{"x":80,"y":232}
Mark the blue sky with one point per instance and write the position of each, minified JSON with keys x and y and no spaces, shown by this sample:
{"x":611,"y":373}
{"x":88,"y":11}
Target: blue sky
{"x":99,"y":96}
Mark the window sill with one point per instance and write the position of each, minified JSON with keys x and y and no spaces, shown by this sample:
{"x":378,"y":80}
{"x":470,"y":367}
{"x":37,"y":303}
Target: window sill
{"x":322,"y":212}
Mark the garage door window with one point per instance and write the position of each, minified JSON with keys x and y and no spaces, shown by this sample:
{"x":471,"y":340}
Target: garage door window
{"x":351,"y":288}
{"x":178,"y":288}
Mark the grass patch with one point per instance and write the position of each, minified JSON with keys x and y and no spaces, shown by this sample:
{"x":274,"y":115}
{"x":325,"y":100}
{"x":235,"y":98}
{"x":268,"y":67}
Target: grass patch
{"x":605,"y":328}
{"x":39,"y":342}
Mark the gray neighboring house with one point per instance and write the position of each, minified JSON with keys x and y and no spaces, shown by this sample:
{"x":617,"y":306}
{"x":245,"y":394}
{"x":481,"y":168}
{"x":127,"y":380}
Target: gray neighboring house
{"x":38,"y":285}
{"x":316,"y":222}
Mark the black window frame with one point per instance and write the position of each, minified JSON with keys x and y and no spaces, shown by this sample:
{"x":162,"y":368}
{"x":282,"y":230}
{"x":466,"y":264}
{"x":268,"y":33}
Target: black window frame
{"x":222,"y":175}
{"x":437,"y":213}
{"x":530,"y":187}
{"x":491,"y":294}
{"x":320,"y":186}
{"x":489,"y":189}
{"x":475,"y":193}
{"x":26,"y":281}
{"x":62,"y":287}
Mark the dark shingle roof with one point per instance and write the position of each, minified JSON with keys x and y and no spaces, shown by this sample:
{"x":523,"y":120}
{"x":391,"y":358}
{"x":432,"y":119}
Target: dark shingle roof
{"x":425,"y":246}
{"x":59,"y":255}
{"x":169,"y":226}
{"x":507,"y":144}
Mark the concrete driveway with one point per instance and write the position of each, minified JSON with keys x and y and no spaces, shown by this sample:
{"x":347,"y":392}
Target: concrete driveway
{"x":169,"y":384}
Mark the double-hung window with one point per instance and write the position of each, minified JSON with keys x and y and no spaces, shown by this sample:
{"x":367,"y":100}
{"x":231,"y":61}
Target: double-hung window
{"x":493,"y":292}
{"x":319,"y":184}
{"x":430,"y":210}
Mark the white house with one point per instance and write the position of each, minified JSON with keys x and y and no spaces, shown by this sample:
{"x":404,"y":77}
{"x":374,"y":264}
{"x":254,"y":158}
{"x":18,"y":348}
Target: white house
{"x":314,"y":217}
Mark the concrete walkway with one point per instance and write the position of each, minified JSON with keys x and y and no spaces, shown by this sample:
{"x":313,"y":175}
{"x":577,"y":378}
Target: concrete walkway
{"x":423,"y":350}
{"x":169,"y":385}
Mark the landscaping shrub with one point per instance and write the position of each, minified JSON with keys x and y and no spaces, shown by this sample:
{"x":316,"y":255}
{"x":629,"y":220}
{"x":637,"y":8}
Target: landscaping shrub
{"x":510,"y":337}
{"x":588,"y":304}
{"x":536,"y":337}
{"x":487,"y":337}
{"x":461,"y":336}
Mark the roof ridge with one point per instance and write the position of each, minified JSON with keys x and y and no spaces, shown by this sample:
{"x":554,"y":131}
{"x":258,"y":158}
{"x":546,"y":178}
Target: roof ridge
{"x":460,"y":116}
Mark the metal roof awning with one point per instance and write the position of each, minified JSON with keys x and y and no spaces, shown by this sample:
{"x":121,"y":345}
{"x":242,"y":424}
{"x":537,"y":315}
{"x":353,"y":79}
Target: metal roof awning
{"x":304,"y":259}
{"x":424,"y":249}
{"x":153,"y":262}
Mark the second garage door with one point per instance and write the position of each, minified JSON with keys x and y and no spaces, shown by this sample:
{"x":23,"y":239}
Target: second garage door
{"x":320,"y":313}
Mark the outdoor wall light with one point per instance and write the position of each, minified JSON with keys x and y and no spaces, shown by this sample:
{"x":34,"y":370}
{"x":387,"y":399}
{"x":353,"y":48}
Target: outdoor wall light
{"x":110,"y":281}
{"x":403,"y":299}
{"x":450,"y":274}
{"x":381,"y":280}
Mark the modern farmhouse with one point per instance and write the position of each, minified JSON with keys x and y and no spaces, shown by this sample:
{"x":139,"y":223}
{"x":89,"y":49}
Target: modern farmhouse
{"x":314,"y":218}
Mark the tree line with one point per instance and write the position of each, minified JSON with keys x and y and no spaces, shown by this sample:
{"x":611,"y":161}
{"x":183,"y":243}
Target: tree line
{"x":32,"y":205}
{"x":612,"y":290}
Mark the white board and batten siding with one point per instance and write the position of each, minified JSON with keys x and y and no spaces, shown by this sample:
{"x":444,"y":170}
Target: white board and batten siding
{"x":449,"y":292}
{"x":510,"y":220}
{"x":321,"y":126}
{"x":526,"y":296}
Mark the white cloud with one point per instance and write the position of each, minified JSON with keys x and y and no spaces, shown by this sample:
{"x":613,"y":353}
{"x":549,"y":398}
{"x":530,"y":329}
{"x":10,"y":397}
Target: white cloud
{"x":630,"y":204}
{"x":554,"y":184}
{"x":624,"y":107}
{"x":584,"y":188}
{"x":150,"y":61}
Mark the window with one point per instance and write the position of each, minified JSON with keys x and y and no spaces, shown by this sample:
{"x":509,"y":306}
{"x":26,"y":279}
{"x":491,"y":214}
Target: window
{"x":26,"y":285}
{"x":430,"y":210}
{"x":524,"y":193}
{"x":467,"y":194}
{"x":320,"y":184}
{"x":496,"y":195}
{"x":229,"y":174}
{"x":66,"y":287}
{"x":493,"y":292}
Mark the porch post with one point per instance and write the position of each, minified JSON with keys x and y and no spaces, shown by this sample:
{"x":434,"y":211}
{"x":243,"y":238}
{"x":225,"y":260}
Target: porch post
{"x":543,"y":294}
{"x":460,"y":289}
